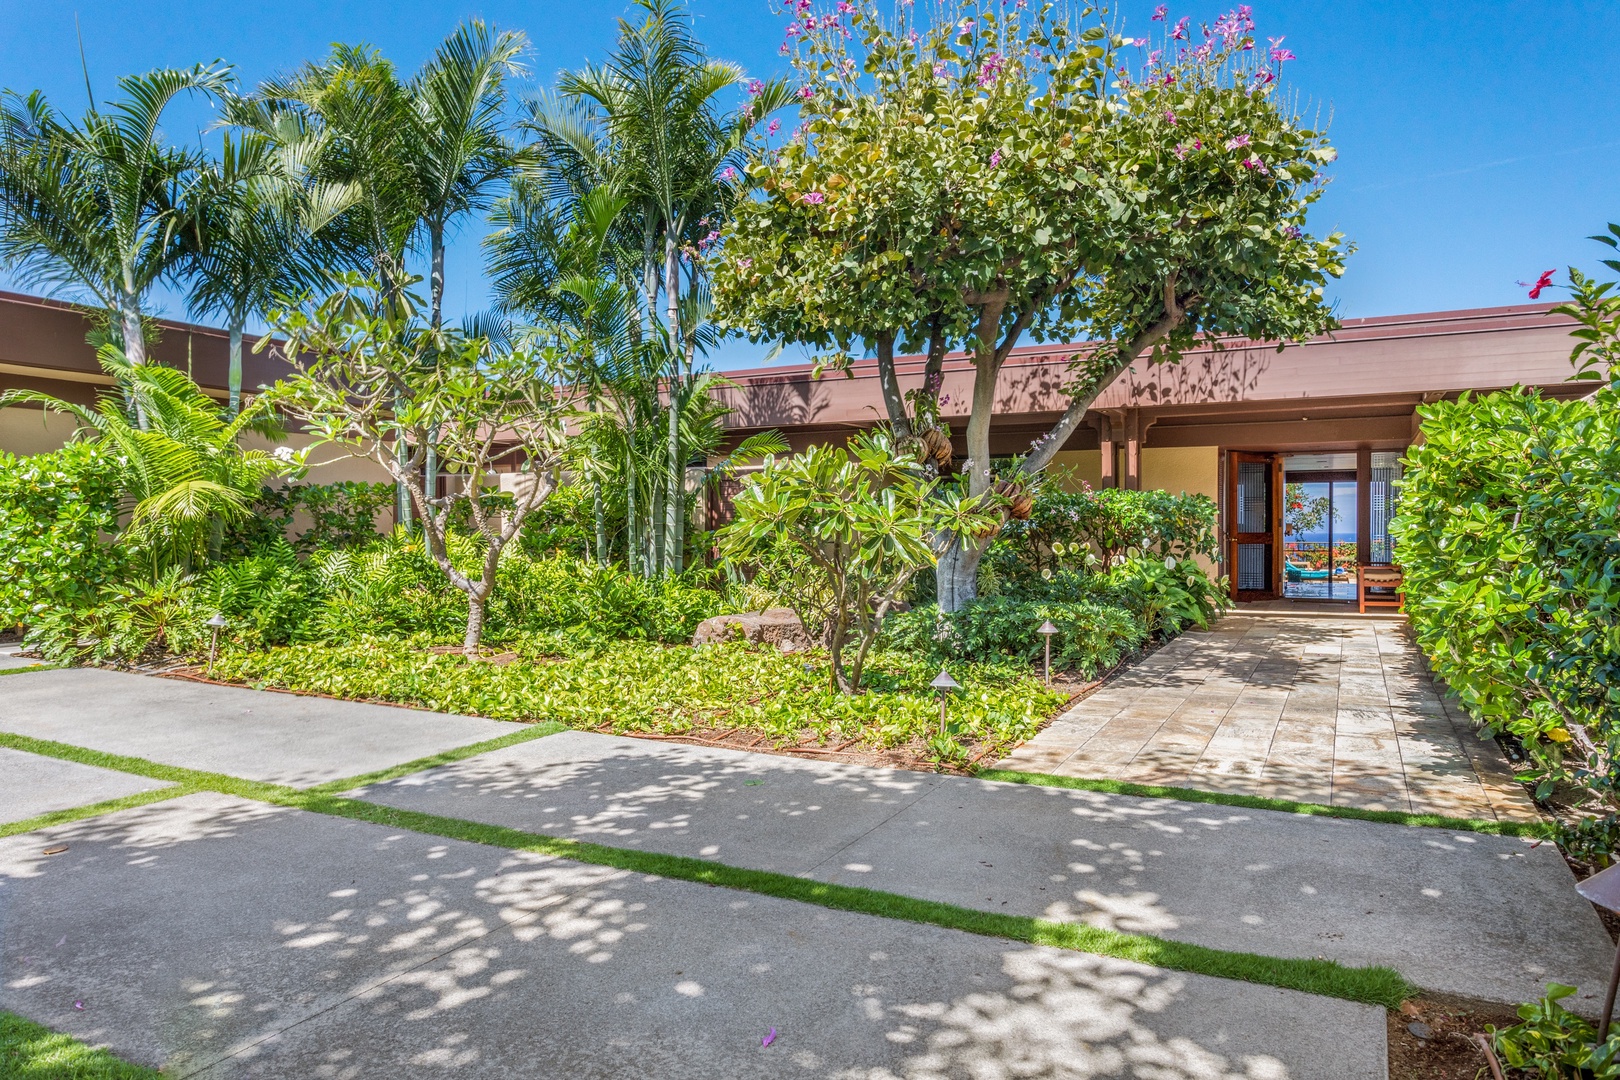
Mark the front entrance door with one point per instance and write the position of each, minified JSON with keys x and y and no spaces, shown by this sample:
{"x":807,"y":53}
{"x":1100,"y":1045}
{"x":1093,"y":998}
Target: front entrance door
{"x":1254,"y":526}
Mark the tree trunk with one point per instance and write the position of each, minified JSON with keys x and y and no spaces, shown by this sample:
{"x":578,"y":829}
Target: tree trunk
{"x":894,"y":402}
{"x":475,"y":624}
{"x":134,"y":342}
{"x":599,"y":519}
{"x":233,"y":379}
{"x":655,"y":528}
{"x":956,"y":575}
{"x":675,"y":498}
{"x":436,"y":278}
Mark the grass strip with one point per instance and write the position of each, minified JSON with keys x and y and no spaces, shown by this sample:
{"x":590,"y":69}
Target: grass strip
{"x":1375,"y":985}
{"x":448,"y":757}
{"x":1533,"y":829}
{"x":30,"y":667}
{"x":78,"y":813}
{"x":29,"y":1051}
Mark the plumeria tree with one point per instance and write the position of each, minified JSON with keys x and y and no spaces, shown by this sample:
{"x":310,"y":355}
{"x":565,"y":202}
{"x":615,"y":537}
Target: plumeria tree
{"x":1000,"y":173}
{"x":372,"y":378}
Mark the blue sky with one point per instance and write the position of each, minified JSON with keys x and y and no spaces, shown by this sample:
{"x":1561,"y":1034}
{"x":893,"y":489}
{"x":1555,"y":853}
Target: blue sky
{"x":1478,"y":142}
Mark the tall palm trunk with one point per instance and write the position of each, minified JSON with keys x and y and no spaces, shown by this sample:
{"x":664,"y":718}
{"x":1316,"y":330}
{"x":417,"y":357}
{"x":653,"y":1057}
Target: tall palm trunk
{"x":233,"y":377}
{"x":632,"y":516}
{"x":675,"y":498}
{"x":133,"y":336}
{"x":430,"y":473}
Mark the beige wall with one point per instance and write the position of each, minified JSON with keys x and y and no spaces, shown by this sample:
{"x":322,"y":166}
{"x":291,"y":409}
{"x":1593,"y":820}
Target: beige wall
{"x":1189,"y":470}
{"x":31,"y":430}
{"x":1072,"y":467}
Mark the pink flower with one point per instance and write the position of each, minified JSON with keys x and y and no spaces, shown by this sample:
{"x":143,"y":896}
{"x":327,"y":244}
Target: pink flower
{"x":755,"y":88}
{"x":1237,"y":141}
{"x":814,"y":198}
{"x":1181,"y":152}
{"x":1256,"y":164}
{"x":911,"y":37}
{"x":743,"y":264}
{"x":995,"y":159}
{"x":939,"y":69}
{"x":845,"y":7}
{"x":793,"y":28}
{"x":965,"y":27}
{"x":1293,"y":232}
{"x":1542,"y":282}
{"x":990,"y":69}
{"x":1180,"y":31}
{"x":806,"y":94}
{"x":728,"y":173}
{"x":1160,"y":13}
{"x":1153,"y":58}
{"x":773,"y":127}
{"x":1264,"y":78}
{"x":1170,"y":118}
{"x":1279,"y":55}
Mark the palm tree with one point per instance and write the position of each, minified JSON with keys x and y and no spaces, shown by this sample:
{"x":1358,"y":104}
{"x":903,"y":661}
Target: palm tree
{"x":249,"y":245}
{"x":185,"y":470}
{"x":462,"y":155}
{"x":99,"y":206}
{"x":648,"y":123}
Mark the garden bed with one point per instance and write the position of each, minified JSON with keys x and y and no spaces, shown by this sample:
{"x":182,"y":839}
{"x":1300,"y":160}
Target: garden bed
{"x":1450,"y":1024}
{"x":728,"y":695}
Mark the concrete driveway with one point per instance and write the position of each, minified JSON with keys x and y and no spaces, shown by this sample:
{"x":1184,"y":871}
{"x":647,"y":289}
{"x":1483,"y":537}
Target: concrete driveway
{"x":276,"y":738}
{"x":1483,"y":916}
{"x":222,"y":938}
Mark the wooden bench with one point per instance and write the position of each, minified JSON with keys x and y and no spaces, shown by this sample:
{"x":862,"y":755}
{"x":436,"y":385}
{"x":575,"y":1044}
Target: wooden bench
{"x":1379,"y":577}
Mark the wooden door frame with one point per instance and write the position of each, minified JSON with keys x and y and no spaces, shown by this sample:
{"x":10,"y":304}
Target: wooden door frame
{"x":1274,"y":460}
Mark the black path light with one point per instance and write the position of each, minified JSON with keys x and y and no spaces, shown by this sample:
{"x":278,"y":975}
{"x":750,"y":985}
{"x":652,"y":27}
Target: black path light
{"x":944,"y":684}
{"x":1603,"y":889}
{"x":1046,"y":631}
{"x":217,"y":623}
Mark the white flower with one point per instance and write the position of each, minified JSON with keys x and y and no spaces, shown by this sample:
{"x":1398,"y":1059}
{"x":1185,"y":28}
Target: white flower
{"x":1169,"y":562}
{"x":284,"y":453}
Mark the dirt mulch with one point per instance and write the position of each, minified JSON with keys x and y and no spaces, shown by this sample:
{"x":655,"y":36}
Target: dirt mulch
{"x":1432,"y":1038}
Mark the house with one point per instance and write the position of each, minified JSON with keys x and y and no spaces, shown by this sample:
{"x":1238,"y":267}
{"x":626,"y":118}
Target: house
{"x":43,"y":347}
{"x":1267,"y":434}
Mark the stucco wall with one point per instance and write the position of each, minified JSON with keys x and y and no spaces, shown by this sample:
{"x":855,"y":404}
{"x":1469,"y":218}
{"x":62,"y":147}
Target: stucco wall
{"x":1191,"y":470}
{"x":1071,"y":467}
{"x":31,"y":430}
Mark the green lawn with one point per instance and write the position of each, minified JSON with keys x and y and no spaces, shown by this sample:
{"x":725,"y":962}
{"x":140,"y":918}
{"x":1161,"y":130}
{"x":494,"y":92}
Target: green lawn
{"x":31,"y":1052}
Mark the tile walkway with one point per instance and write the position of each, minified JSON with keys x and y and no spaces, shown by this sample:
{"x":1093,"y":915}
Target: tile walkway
{"x":1331,"y":711}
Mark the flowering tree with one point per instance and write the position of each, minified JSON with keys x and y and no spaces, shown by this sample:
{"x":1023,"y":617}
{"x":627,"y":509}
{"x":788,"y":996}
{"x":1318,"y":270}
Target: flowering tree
{"x":863,"y":520}
{"x":1002,"y":172}
{"x":372,"y":379}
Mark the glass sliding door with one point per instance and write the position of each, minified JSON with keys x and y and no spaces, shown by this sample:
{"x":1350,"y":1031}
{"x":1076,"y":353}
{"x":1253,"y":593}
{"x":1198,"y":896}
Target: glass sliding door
{"x":1319,"y":526}
{"x":1253,"y":498}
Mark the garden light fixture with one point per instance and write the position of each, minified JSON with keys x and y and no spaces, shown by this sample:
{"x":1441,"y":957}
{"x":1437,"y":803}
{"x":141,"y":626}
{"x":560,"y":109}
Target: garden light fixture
{"x":1046,"y":631}
{"x":944,"y":684}
{"x":217,"y":623}
{"x":1603,"y":889}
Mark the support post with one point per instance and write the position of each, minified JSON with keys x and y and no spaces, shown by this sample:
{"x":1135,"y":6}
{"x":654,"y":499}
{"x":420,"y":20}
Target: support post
{"x":1107,"y":433}
{"x":1363,"y":505}
{"x":1133,"y":450}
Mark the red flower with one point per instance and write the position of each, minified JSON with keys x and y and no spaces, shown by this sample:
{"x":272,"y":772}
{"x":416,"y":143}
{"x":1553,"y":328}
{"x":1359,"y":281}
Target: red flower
{"x":1542,"y":282}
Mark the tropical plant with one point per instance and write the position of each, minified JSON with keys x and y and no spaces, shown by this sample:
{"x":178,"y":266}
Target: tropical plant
{"x":372,"y":379}
{"x":863,"y":517}
{"x":58,"y":512}
{"x":1092,"y":637}
{"x":1551,"y":1043}
{"x":185,"y":474}
{"x":100,"y":207}
{"x":647,"y":127}
{"x":248,"y":244}
{"x":995,"y":172}
{"x":1303,"y":512}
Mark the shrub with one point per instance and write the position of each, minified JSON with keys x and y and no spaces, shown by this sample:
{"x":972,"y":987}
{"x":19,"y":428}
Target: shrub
{"x":1092,"y":637}
{"x":1109,"y":523}
{"x":1552,"y":1043}
{"x":537,"y":595}
{"x":57,"y":511}
{"x":1509,"y":535}
{"x":343,"y":514}
{"x":565,"y":524}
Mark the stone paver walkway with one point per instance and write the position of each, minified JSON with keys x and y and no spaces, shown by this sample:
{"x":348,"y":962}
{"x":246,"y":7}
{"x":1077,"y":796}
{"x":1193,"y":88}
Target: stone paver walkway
{"x":1316,"y":710}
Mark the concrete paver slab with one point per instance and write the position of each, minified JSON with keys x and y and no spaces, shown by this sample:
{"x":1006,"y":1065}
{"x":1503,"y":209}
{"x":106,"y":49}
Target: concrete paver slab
{"x":277,"y":738}
{"x":31,"y":785}
{"x":1263,"y":680}
{"x":1485,"y":916}
{"x":222,"y":938}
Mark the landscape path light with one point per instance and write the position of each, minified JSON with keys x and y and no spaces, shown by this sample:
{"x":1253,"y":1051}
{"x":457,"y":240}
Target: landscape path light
{"x":1046,"y":631}
{"x":217,"y":623}
{"x":1603,"y":889}
{"x":944,"y":684}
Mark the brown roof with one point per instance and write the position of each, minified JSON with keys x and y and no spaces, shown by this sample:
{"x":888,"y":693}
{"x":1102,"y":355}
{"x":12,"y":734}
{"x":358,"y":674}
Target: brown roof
{"x":1394,"y":357}
{"x":46,"y":338}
